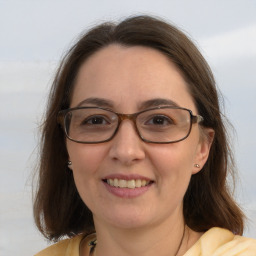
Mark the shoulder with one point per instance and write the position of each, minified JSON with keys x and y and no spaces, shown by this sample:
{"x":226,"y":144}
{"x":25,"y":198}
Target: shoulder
{"x":222,"y":242}
{"x":67,"y":247}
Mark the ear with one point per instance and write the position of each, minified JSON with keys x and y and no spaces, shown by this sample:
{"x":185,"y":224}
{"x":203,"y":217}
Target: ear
{"x":203,"y":149}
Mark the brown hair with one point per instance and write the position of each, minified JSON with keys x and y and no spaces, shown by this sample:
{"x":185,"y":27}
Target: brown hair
{"x":58,"y":208}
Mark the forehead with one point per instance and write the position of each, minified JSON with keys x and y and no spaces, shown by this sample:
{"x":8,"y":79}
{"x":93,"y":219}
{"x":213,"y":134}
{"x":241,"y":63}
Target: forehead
{"x":129,"y":76}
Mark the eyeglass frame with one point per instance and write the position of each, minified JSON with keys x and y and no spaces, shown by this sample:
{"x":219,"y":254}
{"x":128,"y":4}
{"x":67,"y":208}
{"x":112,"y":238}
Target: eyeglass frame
{"x":121,"y":117}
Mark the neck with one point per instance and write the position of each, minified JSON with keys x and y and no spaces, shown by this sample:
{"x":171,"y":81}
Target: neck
{"x":168,"y":238}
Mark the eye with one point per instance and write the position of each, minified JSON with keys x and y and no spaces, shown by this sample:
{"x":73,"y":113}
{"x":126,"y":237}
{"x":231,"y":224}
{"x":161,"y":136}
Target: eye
{"x":96,"y":120}
{"x":159,"y":120}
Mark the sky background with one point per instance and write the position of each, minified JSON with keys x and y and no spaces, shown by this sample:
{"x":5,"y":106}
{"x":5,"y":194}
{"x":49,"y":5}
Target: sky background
{"x":34,"y":34}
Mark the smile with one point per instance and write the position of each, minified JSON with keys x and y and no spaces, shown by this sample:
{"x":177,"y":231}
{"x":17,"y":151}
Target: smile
{"x":132,"y":184}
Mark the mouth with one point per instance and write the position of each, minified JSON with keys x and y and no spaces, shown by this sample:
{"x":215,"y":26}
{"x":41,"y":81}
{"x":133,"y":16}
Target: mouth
{"x":131,"y":184}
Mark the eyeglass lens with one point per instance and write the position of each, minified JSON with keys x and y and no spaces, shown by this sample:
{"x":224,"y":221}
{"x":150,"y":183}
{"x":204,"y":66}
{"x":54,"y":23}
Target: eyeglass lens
{"x":160,"y":125}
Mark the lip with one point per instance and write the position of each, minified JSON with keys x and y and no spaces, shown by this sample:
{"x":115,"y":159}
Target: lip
{"x":127,"y":177}
{"x":127,"y":192}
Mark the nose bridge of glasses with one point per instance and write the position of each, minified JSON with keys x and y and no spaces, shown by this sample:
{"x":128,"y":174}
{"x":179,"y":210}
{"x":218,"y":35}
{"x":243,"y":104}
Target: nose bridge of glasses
{"x":131,"y":117}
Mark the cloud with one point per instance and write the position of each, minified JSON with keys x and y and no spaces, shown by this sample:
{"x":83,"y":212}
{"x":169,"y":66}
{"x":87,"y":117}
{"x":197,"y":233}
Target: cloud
{"x":235,"y":44}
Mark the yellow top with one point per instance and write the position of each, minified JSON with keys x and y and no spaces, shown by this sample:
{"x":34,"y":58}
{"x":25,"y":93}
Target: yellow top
{"x":215,"y":242}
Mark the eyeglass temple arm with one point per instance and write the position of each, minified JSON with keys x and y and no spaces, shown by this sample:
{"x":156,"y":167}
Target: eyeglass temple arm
{"x":197,"y":119}
{"x":60,"y":118}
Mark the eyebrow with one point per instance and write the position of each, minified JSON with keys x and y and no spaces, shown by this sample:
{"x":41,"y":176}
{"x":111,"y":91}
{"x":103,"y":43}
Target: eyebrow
{"x":157,"y":102}
{"x":101,"y":102}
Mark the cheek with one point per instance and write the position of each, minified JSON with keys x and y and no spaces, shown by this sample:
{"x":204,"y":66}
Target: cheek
{"x":173,"y":173}
{"x":86,"y":160}
{"x":84,"y":156}
{"x":173,"y":164}
{"x":173,"y":156}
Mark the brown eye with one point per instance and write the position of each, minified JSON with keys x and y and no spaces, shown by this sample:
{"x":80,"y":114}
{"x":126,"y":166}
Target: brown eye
{"x":159,"y":120}
{"x":96,"y":120}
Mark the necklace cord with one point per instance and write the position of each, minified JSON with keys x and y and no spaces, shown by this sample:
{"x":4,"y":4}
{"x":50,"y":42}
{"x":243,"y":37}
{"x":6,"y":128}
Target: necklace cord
{"x":183,"y":235}
{"x":93,"y":244}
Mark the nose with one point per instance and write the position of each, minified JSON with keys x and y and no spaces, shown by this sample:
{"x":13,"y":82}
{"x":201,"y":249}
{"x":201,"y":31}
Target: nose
{"x":127,"y":147}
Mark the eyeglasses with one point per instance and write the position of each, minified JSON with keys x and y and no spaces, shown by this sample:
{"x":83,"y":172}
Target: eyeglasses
{"x":165,"y":124}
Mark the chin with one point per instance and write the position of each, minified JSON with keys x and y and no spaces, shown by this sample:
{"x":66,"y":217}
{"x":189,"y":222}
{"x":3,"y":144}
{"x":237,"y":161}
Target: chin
{"x":126,"y":218}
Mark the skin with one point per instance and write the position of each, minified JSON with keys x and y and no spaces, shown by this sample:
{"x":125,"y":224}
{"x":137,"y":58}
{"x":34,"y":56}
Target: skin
{"x":126,"y":77}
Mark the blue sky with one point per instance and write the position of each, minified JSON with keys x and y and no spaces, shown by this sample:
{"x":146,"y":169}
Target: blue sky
{"x":34,"y":36}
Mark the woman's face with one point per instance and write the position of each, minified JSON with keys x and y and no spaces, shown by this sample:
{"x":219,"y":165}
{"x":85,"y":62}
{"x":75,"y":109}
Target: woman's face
{"x":124,"y":79}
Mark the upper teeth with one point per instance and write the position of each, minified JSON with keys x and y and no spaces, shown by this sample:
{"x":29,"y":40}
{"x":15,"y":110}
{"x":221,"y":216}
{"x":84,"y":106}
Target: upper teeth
{"x":127,"y":183}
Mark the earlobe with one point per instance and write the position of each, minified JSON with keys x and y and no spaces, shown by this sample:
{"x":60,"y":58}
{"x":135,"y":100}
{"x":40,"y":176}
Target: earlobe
{"x":203,"y":149}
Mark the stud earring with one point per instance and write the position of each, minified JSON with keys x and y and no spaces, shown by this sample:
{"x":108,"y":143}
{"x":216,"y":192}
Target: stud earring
{"x":70,"y":165}
{"x":197,"y":165}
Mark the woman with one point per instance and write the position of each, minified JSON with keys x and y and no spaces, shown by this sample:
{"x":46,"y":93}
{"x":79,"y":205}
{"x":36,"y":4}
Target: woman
{"x":134,"y":154}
